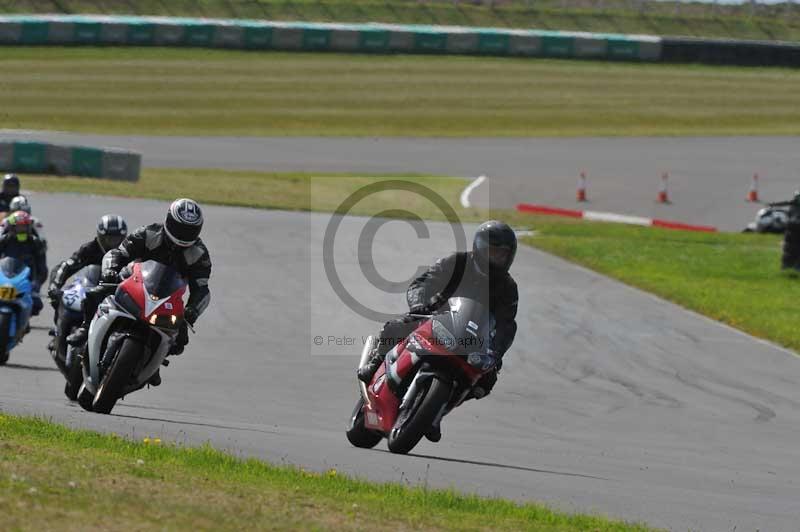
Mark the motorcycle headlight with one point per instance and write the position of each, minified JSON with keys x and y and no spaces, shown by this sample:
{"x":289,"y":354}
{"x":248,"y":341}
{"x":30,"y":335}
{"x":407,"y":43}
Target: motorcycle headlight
{"x":164,"y":321}
{"x":443,"y":336}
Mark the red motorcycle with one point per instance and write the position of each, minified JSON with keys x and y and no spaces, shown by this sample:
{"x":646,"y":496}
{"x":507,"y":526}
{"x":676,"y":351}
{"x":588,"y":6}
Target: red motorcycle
{"x":424,"y":377}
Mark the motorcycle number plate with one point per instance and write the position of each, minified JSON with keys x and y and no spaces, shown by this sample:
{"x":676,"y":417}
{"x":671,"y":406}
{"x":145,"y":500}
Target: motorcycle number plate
{"x":8,"y":293}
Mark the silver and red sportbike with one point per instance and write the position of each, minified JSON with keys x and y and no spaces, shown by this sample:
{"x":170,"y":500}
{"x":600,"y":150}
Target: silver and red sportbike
{"x":131,"y":334}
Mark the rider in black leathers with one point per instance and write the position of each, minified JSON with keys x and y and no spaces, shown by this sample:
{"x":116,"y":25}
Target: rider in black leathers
{"x":9,"y":191}
{"x":111,"y":231}
{"x":791,"y":238}
{"x":175,"y":242}
{"x":481,"y":274}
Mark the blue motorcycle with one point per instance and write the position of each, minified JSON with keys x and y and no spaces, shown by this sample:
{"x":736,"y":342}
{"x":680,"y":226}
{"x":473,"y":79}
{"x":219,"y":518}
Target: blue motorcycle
{"x":16,"y":303}
{"x":69,"y":316}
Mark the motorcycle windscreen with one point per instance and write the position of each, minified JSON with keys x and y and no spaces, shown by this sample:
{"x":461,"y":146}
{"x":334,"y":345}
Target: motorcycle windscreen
{"x":466,"y":327}
{"x":91,"y":274}
{"x":11,"y":267}
{"x":160,"y":280}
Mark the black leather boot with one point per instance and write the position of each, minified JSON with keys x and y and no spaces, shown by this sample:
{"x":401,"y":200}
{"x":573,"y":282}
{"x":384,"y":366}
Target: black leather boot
{"x":79,"y":337}
{"x":434,"y":434}
{"x":375,"y":360}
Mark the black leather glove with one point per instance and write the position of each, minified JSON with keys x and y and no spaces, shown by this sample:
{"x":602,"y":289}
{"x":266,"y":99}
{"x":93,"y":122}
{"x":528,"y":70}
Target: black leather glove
{"x":419,"y":308}
{"x":436,"y":302}
{"x":109,"y":276}
{"x":53,"y":294}
{"x":190,"y":315}
{"x":427,"y":308}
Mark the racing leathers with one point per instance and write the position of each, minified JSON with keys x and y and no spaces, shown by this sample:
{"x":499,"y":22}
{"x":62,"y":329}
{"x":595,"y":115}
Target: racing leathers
{"x":33,"y":253}
{"x":456,"y":276}
{"x":90,"y":253}
{"x":5,"y":201}
{"x":790,"y":259}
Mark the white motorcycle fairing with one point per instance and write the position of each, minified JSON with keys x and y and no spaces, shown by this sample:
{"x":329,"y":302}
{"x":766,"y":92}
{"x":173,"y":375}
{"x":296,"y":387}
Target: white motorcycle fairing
{"x":108,"y":313}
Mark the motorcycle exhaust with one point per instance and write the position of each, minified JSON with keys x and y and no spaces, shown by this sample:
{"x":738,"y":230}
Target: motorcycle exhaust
{"x":369,"y":346}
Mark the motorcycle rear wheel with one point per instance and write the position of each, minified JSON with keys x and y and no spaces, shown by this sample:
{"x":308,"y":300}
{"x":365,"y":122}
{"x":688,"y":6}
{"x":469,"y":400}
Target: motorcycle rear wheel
{"x":117,"y":377}
{"x":357,"y":433}
{"x":409,"y":429}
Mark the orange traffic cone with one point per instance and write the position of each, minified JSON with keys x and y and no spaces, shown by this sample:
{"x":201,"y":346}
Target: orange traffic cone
{"x":752,"y":196}
{"x":663,"y":192}
{"x":580,"y":195}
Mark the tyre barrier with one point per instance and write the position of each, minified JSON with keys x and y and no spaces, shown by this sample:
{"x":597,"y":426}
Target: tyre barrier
{"x":301,"y":36}
{"x":43,"y":158}
{"x":104,"y":30}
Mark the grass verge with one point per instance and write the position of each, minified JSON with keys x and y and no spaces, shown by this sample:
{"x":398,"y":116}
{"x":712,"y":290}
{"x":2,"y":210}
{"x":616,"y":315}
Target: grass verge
{"x":218,"y":92}
{"x":52,"y":477}
{"x":733,"y":278}
{"x":264,"y":190}
{"x":756,"y":21}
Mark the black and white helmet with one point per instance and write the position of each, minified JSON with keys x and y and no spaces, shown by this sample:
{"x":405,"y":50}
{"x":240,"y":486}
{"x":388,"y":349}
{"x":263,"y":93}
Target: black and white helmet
{"x":111,"y":231}
{"x":771,"y":220}
{"x":184,"y":222}
{"x":19,"y":203}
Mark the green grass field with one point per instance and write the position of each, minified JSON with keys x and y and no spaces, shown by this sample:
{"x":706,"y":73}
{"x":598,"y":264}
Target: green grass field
{"x":769,"y":22}
{"x":213,"y":92}
{"x":54,"y":478}
{"x":734,"y":278}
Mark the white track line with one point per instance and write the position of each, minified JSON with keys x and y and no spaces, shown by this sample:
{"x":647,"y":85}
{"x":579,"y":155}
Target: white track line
{"x":467,"y":191}
{"x":616,"y":218}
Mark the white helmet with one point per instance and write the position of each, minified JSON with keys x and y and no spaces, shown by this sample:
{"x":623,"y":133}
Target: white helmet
{"x":19,"y":203}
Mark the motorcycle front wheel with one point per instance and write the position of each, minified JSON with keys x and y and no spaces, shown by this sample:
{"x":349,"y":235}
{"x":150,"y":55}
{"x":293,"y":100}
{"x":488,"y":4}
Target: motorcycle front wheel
{"x":117,"y":376}
{"x":417,"y":418}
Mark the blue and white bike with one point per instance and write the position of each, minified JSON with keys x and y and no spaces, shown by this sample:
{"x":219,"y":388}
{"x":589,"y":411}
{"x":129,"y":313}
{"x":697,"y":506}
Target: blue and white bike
{"x":69,"y":316}
{"x":16,"y":302}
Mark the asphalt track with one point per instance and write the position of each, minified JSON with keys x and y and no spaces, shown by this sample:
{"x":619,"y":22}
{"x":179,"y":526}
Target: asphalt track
{"x":611,"y":400}
{"x":710,"y":177}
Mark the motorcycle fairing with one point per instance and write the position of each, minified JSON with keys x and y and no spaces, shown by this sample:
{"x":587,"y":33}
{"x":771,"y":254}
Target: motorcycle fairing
{"x":108,"y":313}
{"x":19,"y":309}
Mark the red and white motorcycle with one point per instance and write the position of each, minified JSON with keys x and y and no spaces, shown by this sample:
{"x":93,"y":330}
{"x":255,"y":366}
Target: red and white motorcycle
{"x":424,"y":377}
{"x":131,"y":335}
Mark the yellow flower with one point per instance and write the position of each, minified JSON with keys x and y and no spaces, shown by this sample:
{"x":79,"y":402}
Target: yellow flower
{"x":147,"y":441}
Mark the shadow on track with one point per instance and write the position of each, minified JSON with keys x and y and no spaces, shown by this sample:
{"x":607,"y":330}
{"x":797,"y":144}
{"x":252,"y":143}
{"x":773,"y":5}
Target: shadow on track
{"x":498,"y":465}
{"x":31,"y":368}
{"x":196,"y":424}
